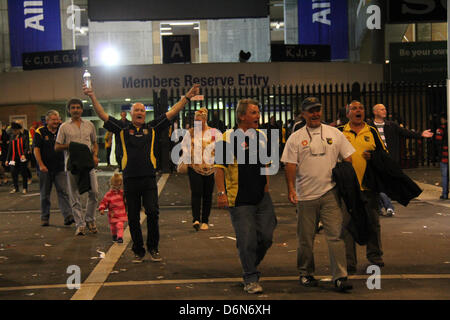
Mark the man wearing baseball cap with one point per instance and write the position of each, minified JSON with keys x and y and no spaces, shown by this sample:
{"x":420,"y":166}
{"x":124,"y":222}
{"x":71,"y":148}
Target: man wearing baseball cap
{"x":310,"y":155}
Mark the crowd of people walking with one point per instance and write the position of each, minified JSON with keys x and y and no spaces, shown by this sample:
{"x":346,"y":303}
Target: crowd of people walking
{"x":327,"y":168}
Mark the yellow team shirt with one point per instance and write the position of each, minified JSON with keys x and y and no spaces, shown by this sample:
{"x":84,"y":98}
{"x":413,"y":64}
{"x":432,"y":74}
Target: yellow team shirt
{"x":368,"y":139}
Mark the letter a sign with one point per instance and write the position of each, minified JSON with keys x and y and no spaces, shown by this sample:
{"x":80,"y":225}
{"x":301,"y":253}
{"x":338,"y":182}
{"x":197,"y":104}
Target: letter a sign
{"x":176,"y":49}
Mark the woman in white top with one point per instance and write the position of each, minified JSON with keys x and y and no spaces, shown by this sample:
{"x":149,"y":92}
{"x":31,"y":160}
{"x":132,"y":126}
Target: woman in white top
{"x":199,"y":142}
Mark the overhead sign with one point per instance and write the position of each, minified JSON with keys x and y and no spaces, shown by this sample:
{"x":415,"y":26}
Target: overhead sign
{"x":300,"y":52}
{"x":410,"y":11}
{"x":418,"y":51}
{"x":176,"y":49}
{"x":324,"y":22}
{"x":52,"y":59}
{"x":33,"y":26}
{"x":154,"y":10}
{"x":418,"y":61}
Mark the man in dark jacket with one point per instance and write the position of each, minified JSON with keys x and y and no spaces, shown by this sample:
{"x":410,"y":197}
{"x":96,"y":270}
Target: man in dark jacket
{"x":365,"y":139}
{"x":390,"y":132}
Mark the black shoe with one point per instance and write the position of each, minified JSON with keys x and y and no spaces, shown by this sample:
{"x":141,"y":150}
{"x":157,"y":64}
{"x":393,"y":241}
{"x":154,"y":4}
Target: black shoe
{"x":119,"y":240}
{"x":377,"y":261}
{"x":196,"y":225}
{"x":155,"y":256}
{"x":68,"y":221}
{"x":351,"y":270}
{"x":114,"y":237}
{"x":44,"y":223}
{"x":342,"y":285}
{"x":308,"y":281}
{"x":443,"y":197}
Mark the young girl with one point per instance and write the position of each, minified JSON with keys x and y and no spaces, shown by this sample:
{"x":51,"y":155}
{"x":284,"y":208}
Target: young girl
{"x":114,"y":202}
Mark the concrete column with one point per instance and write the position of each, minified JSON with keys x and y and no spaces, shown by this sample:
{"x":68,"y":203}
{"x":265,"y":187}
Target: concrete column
{"x":157,"y":59}
{"x":203,"y":41}
{"x":377,"y":36}
{"x":290,"y":22}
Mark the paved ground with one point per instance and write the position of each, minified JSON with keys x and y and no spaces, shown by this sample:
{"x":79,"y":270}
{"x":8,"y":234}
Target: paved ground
{"x":204,"y":265}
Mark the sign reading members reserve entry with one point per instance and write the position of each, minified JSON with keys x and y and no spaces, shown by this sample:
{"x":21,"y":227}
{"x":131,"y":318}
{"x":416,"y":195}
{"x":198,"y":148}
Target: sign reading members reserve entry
{"x":33,"y":26}
{"x":52,"y":59}
{"x":176,"y":49}
{"x":306,"y":53}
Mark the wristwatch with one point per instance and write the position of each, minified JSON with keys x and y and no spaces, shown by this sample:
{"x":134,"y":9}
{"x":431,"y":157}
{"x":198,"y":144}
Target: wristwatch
{"x":221,"y":193}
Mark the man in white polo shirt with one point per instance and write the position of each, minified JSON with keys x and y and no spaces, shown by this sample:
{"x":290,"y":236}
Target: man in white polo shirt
{"x":310,"y":155}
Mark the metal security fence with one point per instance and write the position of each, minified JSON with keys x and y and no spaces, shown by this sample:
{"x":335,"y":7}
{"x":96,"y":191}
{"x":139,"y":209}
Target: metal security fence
{"x":415,"y":106}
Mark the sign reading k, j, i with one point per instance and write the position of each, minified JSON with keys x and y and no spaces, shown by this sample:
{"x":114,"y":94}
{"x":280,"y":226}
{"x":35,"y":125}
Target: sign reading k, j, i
{"x":324,"y":22}
{"x":33,"y":26}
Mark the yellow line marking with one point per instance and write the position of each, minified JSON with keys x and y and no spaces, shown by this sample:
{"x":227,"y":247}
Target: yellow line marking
{"x":90,"y":287}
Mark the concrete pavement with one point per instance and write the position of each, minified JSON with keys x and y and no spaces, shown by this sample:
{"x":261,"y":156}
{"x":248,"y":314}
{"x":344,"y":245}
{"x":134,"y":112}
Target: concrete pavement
{"x":204,"y":265}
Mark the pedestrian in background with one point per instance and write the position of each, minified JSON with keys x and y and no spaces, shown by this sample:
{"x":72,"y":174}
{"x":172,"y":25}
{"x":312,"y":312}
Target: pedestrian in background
{"x":201,"y":167}
{"x":391,"y":133}
{"x":80,"y":131}
{"x":16,"y":159}
{"x":50,"y":167}
{"x":442,"y":144}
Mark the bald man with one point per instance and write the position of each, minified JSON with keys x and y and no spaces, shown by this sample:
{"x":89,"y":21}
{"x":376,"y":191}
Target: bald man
{"x":390,"y":133}
{"x":138,"y":165}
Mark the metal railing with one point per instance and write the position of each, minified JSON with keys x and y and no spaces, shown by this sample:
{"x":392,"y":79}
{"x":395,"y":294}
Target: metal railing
{"x":416,"y":106}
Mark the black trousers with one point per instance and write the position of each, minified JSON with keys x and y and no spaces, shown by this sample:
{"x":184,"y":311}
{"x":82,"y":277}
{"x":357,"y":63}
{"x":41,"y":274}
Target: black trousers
{"x":108,"y":155}
{"x":140,"y":191}
{"x":22,"y":169}
{"x":201,"y":195}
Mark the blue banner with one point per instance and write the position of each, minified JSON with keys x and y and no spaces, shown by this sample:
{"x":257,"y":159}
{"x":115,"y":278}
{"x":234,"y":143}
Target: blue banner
{"x":33,"y":26}
{"x":324,"y":22}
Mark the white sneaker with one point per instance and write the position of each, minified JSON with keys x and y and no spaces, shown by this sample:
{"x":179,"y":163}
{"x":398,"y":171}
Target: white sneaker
{"x":390,"y":212}
{"x":13,"y":191}
{"x":204,"y":226}
{"x":24,"y":191}
{"x":253,"y":287}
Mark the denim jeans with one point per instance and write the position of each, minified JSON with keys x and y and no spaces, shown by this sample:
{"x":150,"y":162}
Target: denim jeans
{"x":254,"y":227}
{"x":385,"y":202}
{"x":444,"y":178}
{"x":46,"y":181}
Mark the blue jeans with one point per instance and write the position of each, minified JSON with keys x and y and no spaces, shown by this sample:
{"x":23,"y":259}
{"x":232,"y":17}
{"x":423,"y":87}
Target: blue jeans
{"x":46,"y":181}
{"x":385,"y":202}
{"x":444,"y":178}
{"x":254,"y":227}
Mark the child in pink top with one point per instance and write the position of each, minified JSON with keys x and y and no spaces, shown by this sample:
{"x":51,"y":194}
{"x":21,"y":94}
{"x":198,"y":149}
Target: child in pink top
{"x":114,"y":202}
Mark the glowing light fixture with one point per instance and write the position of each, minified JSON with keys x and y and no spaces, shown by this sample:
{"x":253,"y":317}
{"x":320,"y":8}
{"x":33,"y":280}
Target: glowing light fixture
{"x":110,"y":56}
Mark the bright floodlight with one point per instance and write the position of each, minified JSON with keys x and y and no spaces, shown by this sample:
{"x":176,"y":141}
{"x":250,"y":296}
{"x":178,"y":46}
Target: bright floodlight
{"x":110,"y":57}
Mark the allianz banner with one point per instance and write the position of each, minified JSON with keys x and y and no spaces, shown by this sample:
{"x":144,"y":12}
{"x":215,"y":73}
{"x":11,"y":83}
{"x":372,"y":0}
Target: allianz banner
{"x":324,"y":22}
{"x":33,"y":26}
